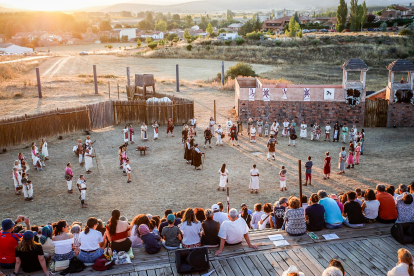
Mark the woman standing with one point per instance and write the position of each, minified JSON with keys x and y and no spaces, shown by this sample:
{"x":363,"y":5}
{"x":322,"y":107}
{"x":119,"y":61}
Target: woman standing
{"x":223,"y":177}
{"x":404,"y":266}
{"x":336,"y":132}
{"x":144,"y":133}
{"x":155,"y":126}
{"x":62,"y":242}
{"x":117,"y":232}
{"x":131,"y":134}
{"x":341,"y":162}
{"x":191,"y":229}
{"x":327,"y":166}
{"x":303,"y":130}
{"x":249,"y":126}
{"x":294,"y":220}
{"x":362,"y":141}
{"x":91,"y":242}
{"x":254,"y":179}
{"x":351,"y":150}
{"x":44,"y":148}
{"x":34,"y":150}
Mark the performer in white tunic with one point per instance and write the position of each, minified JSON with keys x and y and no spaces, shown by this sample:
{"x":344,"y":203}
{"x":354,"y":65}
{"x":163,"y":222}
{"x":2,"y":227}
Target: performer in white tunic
{"x":155,"y":127}
{"x":303,"y":130}
{"x":28,"y":191}
{"x":285,"y":131}
{"x":144,"y":132}
{"x":211,"y":125}
{"x":45,"y":150}
{"x":253,"y":134}
{"x":37,"y":163}
{"x":327,"y":132}
{"x":313,"y":132}
{"x":254,"y":179}
{"x":274,"y":129}
{"x":17,"y":179}
{"x":125,"y":134}
{"x":193,"y":123}
{"x":266,"y":129}
{"x":223,"y":172}
{"x":88,"y":141}
{"x":82,"y":189}
{"x":219,"y":132}
{"x":229,"y":124}
{"x":35,"y":150}
{"x":88,"y":160}
{"x":128,"y":170}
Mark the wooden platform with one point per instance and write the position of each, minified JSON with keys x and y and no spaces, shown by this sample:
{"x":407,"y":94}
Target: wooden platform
{"x":366,"y":251}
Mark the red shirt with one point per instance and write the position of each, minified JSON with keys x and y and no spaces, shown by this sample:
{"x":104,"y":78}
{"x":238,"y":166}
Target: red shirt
{"x":387,"y":209}
{"x":8,"y":243}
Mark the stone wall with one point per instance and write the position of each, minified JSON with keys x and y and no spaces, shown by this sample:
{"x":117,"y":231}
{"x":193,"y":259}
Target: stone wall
{"x":311,"y":112}
{"x":400,"y":114}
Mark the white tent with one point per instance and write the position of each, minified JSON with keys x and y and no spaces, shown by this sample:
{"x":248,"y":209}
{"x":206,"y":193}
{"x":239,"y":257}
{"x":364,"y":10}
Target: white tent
{"x":159,"y":100}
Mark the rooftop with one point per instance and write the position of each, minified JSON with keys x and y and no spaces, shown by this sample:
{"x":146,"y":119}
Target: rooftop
{"x":401,"y":65}
{"x":6,"y":45}
{"x":354,"y":64}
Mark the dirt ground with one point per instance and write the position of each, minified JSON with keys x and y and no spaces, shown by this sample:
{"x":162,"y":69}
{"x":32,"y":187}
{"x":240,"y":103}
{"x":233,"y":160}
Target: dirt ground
{"x":162,"y":179}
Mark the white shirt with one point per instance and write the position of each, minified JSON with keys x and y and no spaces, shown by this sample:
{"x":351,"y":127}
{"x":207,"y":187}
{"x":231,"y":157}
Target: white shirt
{"x":327,"y":129}
{"x":229,"y":123}
{"x":256,"y":218}
{"x":220,"y":217}
{"x":191,"y":232}
{"x":212,"y":123}
{"x":88,"y":142}
{"x":136,"y":241}
{"x":285,"y":124}
{"x":399,"y":270}
{"x":91,"y":240}
{"x":233,"y":231}
{"x":82,"y":184}
{"x":127,"y":167}
{"x":193,"y":121}
{"x":371,"y":209}
{"x":63,"y":247}
{"x":219,"y":131}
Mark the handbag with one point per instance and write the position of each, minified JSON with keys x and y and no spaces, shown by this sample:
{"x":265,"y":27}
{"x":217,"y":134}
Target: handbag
{"x":102,"y":264}
{"x":61,"y":265}
{"x":68,"y":177}
{"x":108,"y":251}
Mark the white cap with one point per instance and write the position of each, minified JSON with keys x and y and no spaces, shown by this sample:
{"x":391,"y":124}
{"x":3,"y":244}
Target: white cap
{"x":215,"y":207}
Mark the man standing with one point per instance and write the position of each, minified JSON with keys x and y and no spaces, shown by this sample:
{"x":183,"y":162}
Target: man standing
{"x":207,"y":137}
{"x":308,"y":173}
{"x":82,"y":189}
{"x":336,"y":132}
{"x":219,"y":132}
{"x":228,"y":126}
{"x":292,"y":135}
{"x":193,"y":123}
{"x":327,"y":132}
{"x":170,"y":127}
{"x":69,"y":177}
{"x":196,"y":157}
{"x":271,"y":146}
{"x":187,"y":151}
{"x":80,"y":151}
{"x":88,"y":160}
{"x":131,"y":134}
{"x":125,"y":134}
{"x":233,"y":133}
{"x":285,"y":131}
{"x":344,"y":133}
{"x":88,"y":141}
{"x":240,"y":126}
{"x":144,"y":132}
{"x":266,"y":129}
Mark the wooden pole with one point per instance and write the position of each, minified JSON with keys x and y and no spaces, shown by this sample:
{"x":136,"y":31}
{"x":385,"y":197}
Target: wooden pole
{"x":222,"y":73}
{"x":109,"y":90}
{"x":118,"y":90}
{"x":215,"y":111}
{"x":177,"y":77}
{"x":300,"y":181}
{"x":95,"y":79}
{"x":136,"y":79}
{"x":228,"y":200}
{"x":128,"y":77}
{"x":39,"y":85}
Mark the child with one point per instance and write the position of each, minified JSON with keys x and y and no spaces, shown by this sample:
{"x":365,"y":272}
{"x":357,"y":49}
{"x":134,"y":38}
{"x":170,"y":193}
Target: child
{"x":28,"y":191}
{"x":128,"y":170}
{"x":358,"y":152}
{"x":42,"y":158}
{"x":150,"y":240}
{"x":313,"y":132}
{"x":266,"y":127}
{"x":171,"y":234}
{"x":359,"y":198}
{"x":308,"y":166}
{"x":352,"y":135}
{"x":253,"y":134}
{"x":304,"y":202}
{"x":282,"y":174}
{"x":351,"y":151}
{"x":327,"y":132}
{"x":131,"y":134}
{"x":318,"y":132}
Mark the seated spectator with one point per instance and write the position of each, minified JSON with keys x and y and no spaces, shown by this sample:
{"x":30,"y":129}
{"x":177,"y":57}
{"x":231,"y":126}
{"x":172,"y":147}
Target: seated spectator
{"x":333,"y":215}
{"x":29,"y":255}
{"x":338,"y":264}
{"x":248,"y":210}
{"x":304,"y":202}
{"x":293,"y":270}
{"x":117,"y":232}
{"x":404,"y":266}
{"x":199,"y":214}
{"x":295,"y":224}
{"x":387,"y":212}
{"x":75,"y":230}
{"x":359,"y":198}
{"x":343,"y":199}
{"x":150,"y":240}
{"x":157,"y":223}
{"x":46,"y":241}
{"x":35,"y":229}
{"x":135,"y":236}
{"x":9,"y":241}
{"x":257,"y":215}
{"x":405,"y":209}
{"x":62,"y":241}
{"x":265,"y":220}
{"x":101,"y":228}
{"x":232,"y":232}
{"x":279,"y":210}
{"x":246,"y":216}
{"x":165,"y":223}
{"x":391,"y":190}
{"x":401,"y":189}
{"x":332,"y":271}
{"x":154,"y":226}
{"x":191,"y":229}
{"x":334,"y":197}
{"x":370,"y":206}
{"x":218,"y":213}
{"x":411,"y":187}
{"x":314,"y":214}
{"x":211,"y":229}
{"x":171,"y":234}
{"x":91,"y":242}
{"x":353,"y":216}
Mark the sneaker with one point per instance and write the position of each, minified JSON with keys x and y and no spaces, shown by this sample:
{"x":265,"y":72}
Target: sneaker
{"x":129,"y":181}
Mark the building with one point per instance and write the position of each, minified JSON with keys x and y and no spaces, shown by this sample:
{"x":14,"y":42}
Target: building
{"x":153,"y":34}
{"x":262,"y":18}
{"x":228,"y":36}
{"x":236,"y":26}
{"x":276,"y":24}
{"x":397,"y":12}
{"x":2,"y":38}
{"x":130,"y":33}
{"x":9,"y":48}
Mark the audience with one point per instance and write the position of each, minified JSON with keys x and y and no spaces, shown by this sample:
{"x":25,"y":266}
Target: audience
{"x":117,"y":232}
{"x":46,"y":241}
{"x":150,"y":240}
{"x":314,"y":214}
{"x":211,"y":229}
{"x":62,"y":241}
{"x":359,"y":197}
{"x":91,"y":242}
{"x":334,"y":197}
{"x":257,"y":215}
{"x":191,"y":229}
{"x":199,"y":214}
{"x":333,"y":216}
{"x":332,"y":271}
{"x":391,"y":190}
{"x":338,"y":264}
{"x":246,"y":216}
{"x":265,"y":220}
{"x":293,"y":270}
{"x":353,"y":216}
{"x":248,"y":210}
{"x":75,"y":230}
{"x":404,"y":266}
{"x":136,"y":222}
{"x":304,"y":202}
{"x":279,"y":210}
{"x":387,"y":212}
{"x":218,"y":213}
{"x":401,"y":189}
{"x":294,"y":220}
{"x":370,"y":206}
{"x":9,"y":241}
{"x":171,"y":234}
{"x":405,"y":209}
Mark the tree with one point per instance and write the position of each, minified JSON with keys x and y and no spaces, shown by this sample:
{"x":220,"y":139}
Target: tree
{"x":24,"y":41}
{"x":139,"y":43}
{"x":257,"y":25}
{"x":299,"y":34}
{"x":144,"y":25}
{"x":203,"y":23}
{"x":161,"y":26}
{"x":10,"y":29}
{"x":370,"y":18}
{"x":149,"y":18}
{"x":293,"y":27}
{"x":176,"y":17}
{"x":214,"y":22}
{"x":105,"y":25}
{"x":296,"y":16}
{"x":240,"y":69}
{"x":341,"y":14}
{"x":230,"y":15}
{"x":117,"y":26}
{"x":353,"y":16}
{"x":171,"y":37}
{"x":77,"y":35}
{"x":210,"y":29}
{"x":149,"y":39}
{"x":187,"y":35}
{"x":383,"y":27}
{"x":363,"y":16}
{"x":30,"y":46}
{"x":153,"y":45}
{"x":110,"y":46}
{"x":188,"y":21}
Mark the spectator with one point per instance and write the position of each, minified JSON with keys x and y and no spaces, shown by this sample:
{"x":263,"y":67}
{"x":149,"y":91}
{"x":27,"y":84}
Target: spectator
{"x":91,"y":242}
{"x":292,"y":270}
{"x":387,"y":212}
{"x":338,"y":264}
{"x":359,"y":197}
{"x":248,"y":210}
{"x":150,"y":240}
{"x":232,"y":232}
{"x":391,"y":190}
{"x":333,"y":216}
{"x":211,"y":229}
{"x":344,"y":199}
{"x":165,"y":223}
{"x":405,"y":209}
{"x":75,"y":230}
{"x":279,"y":210}
{"x":62,"y":242}
{"x":401,"y":189}
{"x":9,"y":241}
{"x":295,"y":224}
{"x":29,"y":255}
{"x":246,"y":216}
{"x":370,"y":206}
{"x":265,"y":220}
{"x":218,"y":213}
{"x":353,"y":216}
{"x":101,"y":228}
{"x":117,"y":232}
{"x":404,"y":266}
{"x":191,"y":229}
{"x":411,"y":187}
{"x":171,"y":234}
{"x":135,"y":236}
{"x":304,"y":202}
{"x":332,"y":271}
{"x":334,"y":197}
{"x":257,"y":215}
{"x":314,"y":214}
{"x":199,"y":213}
{"x":46,"y":241}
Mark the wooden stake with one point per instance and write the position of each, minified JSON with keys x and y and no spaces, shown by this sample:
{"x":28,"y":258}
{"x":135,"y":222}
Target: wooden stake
{"x":177,"y":77}
{"x":95,"y":79}
{"x":109,"y":89}
{"x":215,"y":111}
{"x":222,"y":73}
{"x":39,"y":85}
{"x":118,"y":90}
{"x":300,"y":181}
{"x":128,"y":77}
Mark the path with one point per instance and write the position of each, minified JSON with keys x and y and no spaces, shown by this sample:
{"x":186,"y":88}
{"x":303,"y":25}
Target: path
{"x":24,"y":59}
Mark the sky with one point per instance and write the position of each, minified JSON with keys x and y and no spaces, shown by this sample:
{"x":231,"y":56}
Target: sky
{"x":64,"y":5}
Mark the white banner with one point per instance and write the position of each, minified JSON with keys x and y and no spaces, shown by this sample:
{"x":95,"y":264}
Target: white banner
{"x":329,"y":93}
{"x":252,"y":92}
{"x":284,"y":90}
{"x":266,"y":94}
{"x":306,"y":94}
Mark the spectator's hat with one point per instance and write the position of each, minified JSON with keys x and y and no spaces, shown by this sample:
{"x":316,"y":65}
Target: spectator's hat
{"x":242,"y":205}
{"x":28,"y":235}
{"x":215,"y":207}
{"x":143,"y":229}
{"x":7,"y":224}
{"x":170,"y":218}
{"x":333,"y":196}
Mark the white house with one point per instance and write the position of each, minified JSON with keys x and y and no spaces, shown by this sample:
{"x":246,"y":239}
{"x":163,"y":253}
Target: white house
{"x":154,"y":35}
{"x":130,"y":33}
{"x":228,"y":36}
{"x":195,"y":27}
{"x":235,"y":26}
{"x":9,"y":48}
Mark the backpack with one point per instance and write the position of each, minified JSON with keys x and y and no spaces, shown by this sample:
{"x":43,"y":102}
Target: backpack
{"x":100,"y":264}
{"x":75,"y":266}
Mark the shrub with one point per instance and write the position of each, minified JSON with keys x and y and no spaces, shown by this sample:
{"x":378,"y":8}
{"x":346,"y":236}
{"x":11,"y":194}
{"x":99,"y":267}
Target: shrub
{"x":254,"y":35}
{"x":228,"y":42}
{"x":217,"y":43}
{"x":239,"y":41}
{"x":170,"y":37}
{"x":314,"y":41}
{"x":176,"y":39}
{"x":208,"y":47}
{"x":189,"y":47}
{"x":405,"y":32}
{"x":207,"y":42}
{"x":139,"y":43}
{"x":278,"y":42}
{"x":149,"y":40}
{"x":299,"y":34}
{"x":293,"y":44}
{"x":240,"y":69}
{"x":153,"y":45}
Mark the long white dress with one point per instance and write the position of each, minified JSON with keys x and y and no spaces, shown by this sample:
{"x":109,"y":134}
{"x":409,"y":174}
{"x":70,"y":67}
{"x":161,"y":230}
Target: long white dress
{"x":303,"y":130}
{"x":223,"y":178}
{"x":211,"y":125}
{"x":88,"y":160}
{"x":45,"y":150}
{"x":228,"y":126}
{"x":285,"y":128}
{"x":125,"y":134}
{"x":155,"y":126}
{"x":35,"y":152}
{"x":254,"y":180}
{"x":144,"y":132}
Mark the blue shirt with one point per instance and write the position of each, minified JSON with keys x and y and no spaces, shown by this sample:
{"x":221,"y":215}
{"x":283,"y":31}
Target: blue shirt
{"x":332,"y":212}
{"x":308,"y":166}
